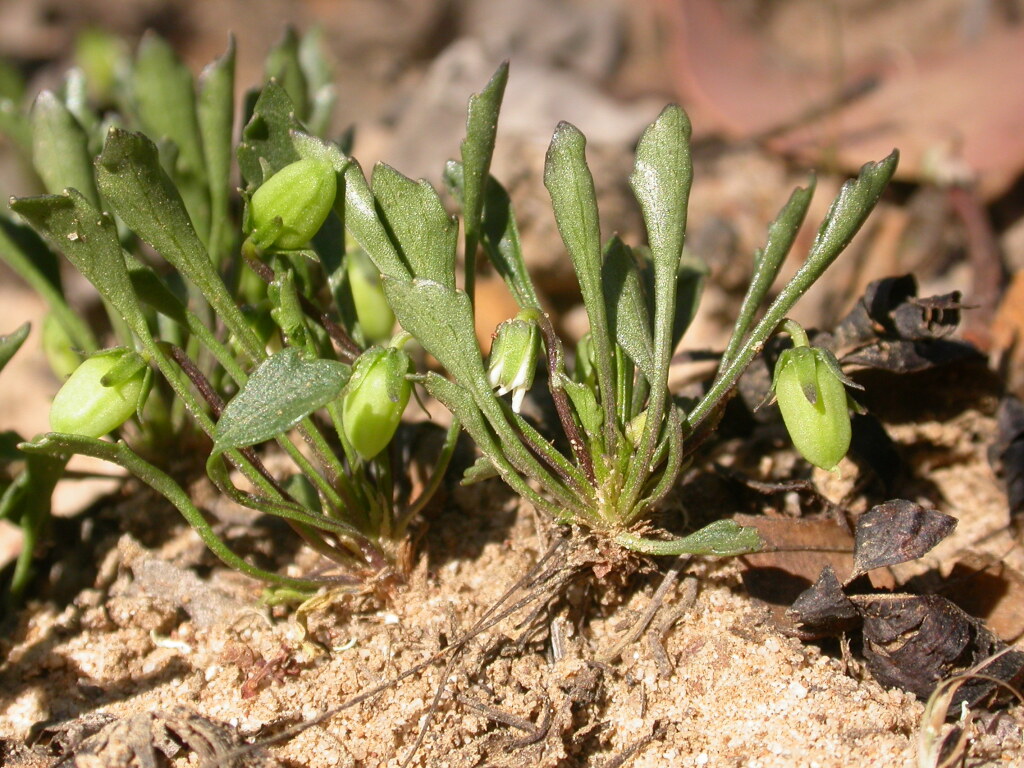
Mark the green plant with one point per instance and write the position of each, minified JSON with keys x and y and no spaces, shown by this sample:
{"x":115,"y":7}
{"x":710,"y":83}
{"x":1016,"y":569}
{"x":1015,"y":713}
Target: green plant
{"x":253,"y":323}
{"x":625,"y":437}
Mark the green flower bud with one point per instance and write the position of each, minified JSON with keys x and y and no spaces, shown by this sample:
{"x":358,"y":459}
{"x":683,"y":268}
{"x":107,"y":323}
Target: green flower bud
{"x":101,"y":395}
{"x":811,"y":391}
{"x":374,"y":399}
{"x":372,"y":308}
{"x":291,"y":206}
{"x":514,"y":353}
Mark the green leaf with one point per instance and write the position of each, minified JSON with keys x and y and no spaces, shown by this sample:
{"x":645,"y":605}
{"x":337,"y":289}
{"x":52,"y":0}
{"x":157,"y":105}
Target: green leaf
{"x":267,"y":136}
{"x":90,"y":242}
{"x":628,"y":316}
{"x":282,"y":64}
{"x":165,"y":98}
{"x":583,"y":400}
{"x":477,"y":150}
{"x":139,"y":190}
{"x":359,"y":212}
{"x":850,"y":209}
{"x":422,"y":230}
{"x":60,"y":148}
{"x":768,"y":261}
{"x":478,"y":146}
{"x":10,"y":343}
{"x":280,"y":393}
{"x":441,"y":319}
{"x":215,"y":112}
{"x":571,"y":187}
{"x":499,"y":235}
{"x":33,"y":261}
{"x":689,"y":287}
{"x":722,"y":538}
{"x":661,"y":183}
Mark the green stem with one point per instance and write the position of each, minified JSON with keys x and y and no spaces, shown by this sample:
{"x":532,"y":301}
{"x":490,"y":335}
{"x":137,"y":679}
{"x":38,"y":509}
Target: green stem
{"x":120,"y":454}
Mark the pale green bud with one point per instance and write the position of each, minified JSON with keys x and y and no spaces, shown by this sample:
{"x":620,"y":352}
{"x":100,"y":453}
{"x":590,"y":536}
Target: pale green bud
{"x":375,"y":315}
{"x":375,"y":398}
{"x":513,"y":360}
{"x":101,"y":395}
{"x":291,"y":206}
{"x":811,"y":391}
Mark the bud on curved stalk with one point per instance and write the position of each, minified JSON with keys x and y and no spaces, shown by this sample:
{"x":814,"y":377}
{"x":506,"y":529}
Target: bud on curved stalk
{"x":375,"y":398}
{"x":514,"y":353}
{"x":102,"y":394}
{"x":811,"y":391}
{"x":291,"y":206}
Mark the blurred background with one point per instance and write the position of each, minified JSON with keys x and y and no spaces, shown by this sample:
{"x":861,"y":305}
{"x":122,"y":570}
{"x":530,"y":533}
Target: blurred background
{"x":774,"y":89}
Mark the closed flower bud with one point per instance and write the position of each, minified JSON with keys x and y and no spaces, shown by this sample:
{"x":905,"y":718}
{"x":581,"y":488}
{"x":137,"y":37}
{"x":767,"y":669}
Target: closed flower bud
{"x":375,"y":398}
{"x":514,"y":354}
{"x":291,"y":206}
{"x":811,"y":391}
{"x":101,"y":395}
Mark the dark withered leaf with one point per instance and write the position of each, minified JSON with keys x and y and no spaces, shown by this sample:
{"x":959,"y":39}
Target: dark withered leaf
{"x":915,"y":641}
{"x":895,"y":532}
{"x":928,"y":318}
{"x":905,"y":356}
{"x":1006,"y":454}
{"x":871,"y":316}
{"x":824,"y":608}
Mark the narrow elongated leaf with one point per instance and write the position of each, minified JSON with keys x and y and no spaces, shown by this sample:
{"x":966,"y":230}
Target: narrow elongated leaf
{"x":33,"y":261}
{"x":767,"y":262}
{"x":420,"y":227}
{"x":89,"y":240}
{"x":216,"y":114}
{"x":131,"y":178}
{"x":165,"y":97}
{"x":850,"y":209}
{"x":441,"y":319}
{"x":661,"y":182}
{"x":571,"y":187}
{"x":358,"y":210}
{"x":10,"y":343}
{"x":267,"y":135}
{"x":478,"y":147}
{"x":499,"y":235}
{"x":627,"y":306}
{"x":283,"y":65}
{"x":477,"y":150}
{"x":60,"y":148}
{"x":280,"y":393}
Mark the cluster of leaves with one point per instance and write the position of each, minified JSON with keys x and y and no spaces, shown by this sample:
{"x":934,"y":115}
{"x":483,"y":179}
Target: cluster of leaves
{"x":243,"y":355}
{"x":293,"y":359}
